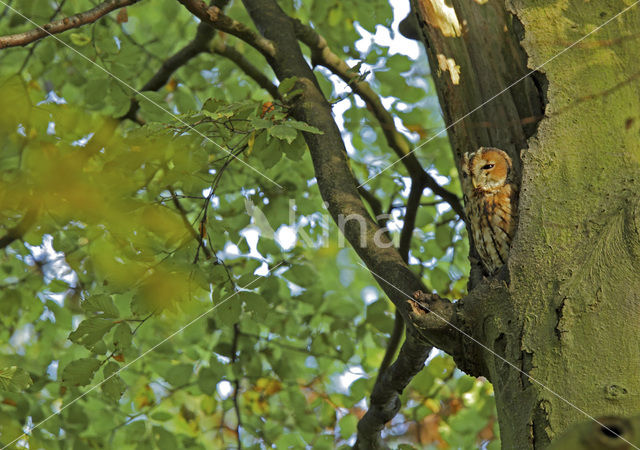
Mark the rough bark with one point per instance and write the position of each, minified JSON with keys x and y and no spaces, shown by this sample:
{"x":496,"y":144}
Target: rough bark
{"x":565,"y":311}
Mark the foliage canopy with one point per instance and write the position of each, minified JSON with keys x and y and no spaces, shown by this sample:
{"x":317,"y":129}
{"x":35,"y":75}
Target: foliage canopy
{"x":159,"y":258}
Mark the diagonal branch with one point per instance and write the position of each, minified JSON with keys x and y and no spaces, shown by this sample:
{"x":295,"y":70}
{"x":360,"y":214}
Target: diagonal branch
{"x":339,"y":191}
{"x":34,"y":46}
{"x":199,"y":44}
{"x":411,"y":211}
{"x":385,"y":398}
{"x":185,"y":220}
{"x":58,"y":26}
{"x":215,"y":17}
{"x":222,"y":49}
{"x":322,"y":55}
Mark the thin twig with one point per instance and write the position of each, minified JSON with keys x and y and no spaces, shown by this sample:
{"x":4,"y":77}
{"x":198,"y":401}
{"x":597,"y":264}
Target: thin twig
{"x":183,"y":214}
{"x":322,"y":55}
{"x":222,"y":49}
{"x":236,"y":383}
{"x":68,"y":23}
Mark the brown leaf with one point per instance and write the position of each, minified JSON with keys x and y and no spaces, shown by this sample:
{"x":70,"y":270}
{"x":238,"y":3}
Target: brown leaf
{"x":486,"y":434}
{"x":122,"y":16}
{"x":415,"y":128}
{"x":267,"y":107}
{"x":171,"y":85}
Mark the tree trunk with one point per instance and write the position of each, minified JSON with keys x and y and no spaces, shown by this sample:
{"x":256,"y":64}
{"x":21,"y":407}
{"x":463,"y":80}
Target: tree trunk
{"x":564,"y":317}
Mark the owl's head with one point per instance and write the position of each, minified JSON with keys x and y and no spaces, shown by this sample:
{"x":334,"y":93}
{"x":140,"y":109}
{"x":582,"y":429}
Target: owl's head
{"x":487,"y":168}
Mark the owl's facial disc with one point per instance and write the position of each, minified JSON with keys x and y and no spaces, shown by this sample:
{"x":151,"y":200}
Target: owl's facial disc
{"x":490,"y":169}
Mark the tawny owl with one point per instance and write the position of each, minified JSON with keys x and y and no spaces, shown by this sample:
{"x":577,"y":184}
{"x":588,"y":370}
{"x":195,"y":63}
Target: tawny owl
{"x":490,"y":204}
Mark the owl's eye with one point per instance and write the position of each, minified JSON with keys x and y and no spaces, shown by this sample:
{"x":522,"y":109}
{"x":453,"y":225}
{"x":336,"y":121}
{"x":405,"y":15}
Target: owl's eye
{"x":488,"y":166}
{"x":465,"y":174}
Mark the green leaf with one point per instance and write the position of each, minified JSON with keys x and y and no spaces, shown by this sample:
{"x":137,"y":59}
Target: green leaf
{"x":303,"y":127}
{"x":269,"y":153}
{"x":260,"y":124}
{"x":439,"y":279}
{"x":58,"y":286}
{"x":283,"y":132}
{"x":163,"y":439}
{"x":295,"y":151}
{"x":101,"y":305}
{"x":80,"y":372}
{"x":286,"y":85}
{"x":424,"y":217}
{"x":218,"y":274}
{"x":255,"y":303}
{"x":122,"y":336}
{"x":229,"y":310}
{"x":114,"y":386}
{"x":80,"y":39}
{"x":14,"y":379}
{"x":302,"y":275}
{"x":91,"y":331}
{"x":444,"y":236}
{"x":348,"y":425}
{"x":179,"y":374}
{"x":208,"y":379}
{"x":161,"y":416}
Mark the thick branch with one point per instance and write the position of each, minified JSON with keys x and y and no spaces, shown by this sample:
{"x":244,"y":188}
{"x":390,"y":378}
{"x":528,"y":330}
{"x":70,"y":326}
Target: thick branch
{"x":339,"y":190}
{"x":322,"y":55}
{"x":428,"y":313}
{"x":199,"y":44}
{"x":214,"y":16}
{"x":222,"y":49}
{"x":335,"y":180}
{"x":385,"y":398}
{"x":58,"y":26}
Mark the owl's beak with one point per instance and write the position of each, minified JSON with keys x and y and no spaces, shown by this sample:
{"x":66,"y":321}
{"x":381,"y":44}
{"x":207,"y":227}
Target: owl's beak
{"x":473,"y":182}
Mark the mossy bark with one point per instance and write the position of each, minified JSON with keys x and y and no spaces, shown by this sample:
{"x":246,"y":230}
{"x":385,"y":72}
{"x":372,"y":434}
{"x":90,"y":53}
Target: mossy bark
{"x":566,"y":312}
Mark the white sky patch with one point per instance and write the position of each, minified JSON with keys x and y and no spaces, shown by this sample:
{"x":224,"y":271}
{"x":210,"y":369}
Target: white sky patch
{"x":352,"y":374}
{"x":434,"y":352}
{"x":231,"y":249}
{"x":54,"y":266}
{"x":442,"y":208}
{"x":397,"y":44}
{"x":369,"y":295}
{"x":82,"y":141}
{"x":286,"y":237}
{"x":441,"y":179}
{"x":52,"y":97}
{"x":263,"y":270}
{"x":21,"y":337}
{"x":52,"y":369}
{"x":252,"y":235}
{"x":224,"y":389}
